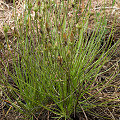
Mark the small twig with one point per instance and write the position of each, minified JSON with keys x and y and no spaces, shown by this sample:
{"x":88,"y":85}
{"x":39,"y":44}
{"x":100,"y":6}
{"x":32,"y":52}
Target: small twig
{"x":113,"y":118}
{"x":84,"y":112}
{"x":35,"y":117}
{"x":8,"y":109}
{"x":40,"y":113}
{"x":98,"y":8}
{"x":48,"y":115}
{"x":4,"y":4}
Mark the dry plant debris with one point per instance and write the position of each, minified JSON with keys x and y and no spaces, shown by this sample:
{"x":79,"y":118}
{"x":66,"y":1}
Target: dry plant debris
{"x":111,"y":92}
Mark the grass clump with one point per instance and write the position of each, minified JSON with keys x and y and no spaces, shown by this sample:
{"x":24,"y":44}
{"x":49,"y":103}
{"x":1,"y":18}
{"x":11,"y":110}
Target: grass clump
{"x":55,"y":61}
